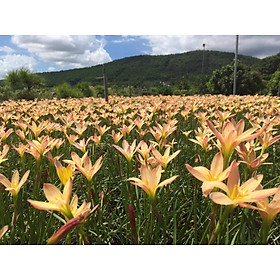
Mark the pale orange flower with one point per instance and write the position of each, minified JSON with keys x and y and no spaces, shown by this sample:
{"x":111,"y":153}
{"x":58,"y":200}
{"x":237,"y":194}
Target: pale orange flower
{"x":102,"y":129}
{"x":127,"y":150}
{"x":5,"y":134}
{"x":212,"y":176}
{"x":231,"y":136}
{"x":21,"y":149}
{"x":150,"y":180}
{"x":3,"y":153}
{"x":116,"y":136}
{"x":71,"y":138}
{"x":235,"y":195}
{"x":64,"y":173}
{"x":82,"y":145}
{"x":57,"y":201}
{"x":165,"y":158}
{"x":36,"y":130}
{"x":89,"y":170}
{"x":267,"y":140}
{"x":14,"y":186}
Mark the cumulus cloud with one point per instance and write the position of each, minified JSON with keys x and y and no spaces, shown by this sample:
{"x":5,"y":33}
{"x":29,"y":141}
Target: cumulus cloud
{"x":11,"y":62}
{"x":6,"y":49}
{"x":259,"y":46}
{"x":65,"y":51}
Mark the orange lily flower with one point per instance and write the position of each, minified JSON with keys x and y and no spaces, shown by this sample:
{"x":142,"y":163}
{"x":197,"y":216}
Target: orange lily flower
{"x":14,"y":186}
{"x":89,"y":170}
{"x":82,"y":145}
{"x":268,"y":210}
{"x":96,"y":139}
{"x":212,"y":176}
{"x":165,"y":158}
{"x":71,"y":138}
{"x":21,"y":134}
{"x":232,"y":135}
{"x":64,"y":173}
{"x":36,"y":130}
{"x":57,"y":201}
{"x":238,"y":195}
{"x":150,"y":180}
{"x":116,"y":136}
{"x":3,"y":154}
{"x":21,"y":149}
{"x":127,"y":150}
{"x":76,"y":160}
{"x":267,"y":140}
{"x":102,"y":129}
{"x":5,"y":134}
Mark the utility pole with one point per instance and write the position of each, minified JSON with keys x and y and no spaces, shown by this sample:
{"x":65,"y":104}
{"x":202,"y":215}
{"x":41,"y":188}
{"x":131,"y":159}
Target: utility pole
{"x":235,"y":66}
{"x":203,"y":45}
{"x":105,"y":84}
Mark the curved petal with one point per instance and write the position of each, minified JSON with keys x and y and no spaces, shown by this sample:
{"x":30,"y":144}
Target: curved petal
{"x":221,"y":198}
{"x":24,"y":178}
{"x":216,"y":132}
{"x":233,"y":178}
{"x":52,"y":193}
{"x":5,"y":181}
{"x":217,"y":164}
{"x":15,"y":178}
{"x":168,"y":181}
{"x":208,"y":186}
{"x":201,"y":173}
{"x":74,"y":203}
{"x":252,"y":183}
{"x":3,"y":230}
{"x":67,"y":190}
{"x":259,"y":195}
{"x":224,"y":174}
{"x":43,"y":205}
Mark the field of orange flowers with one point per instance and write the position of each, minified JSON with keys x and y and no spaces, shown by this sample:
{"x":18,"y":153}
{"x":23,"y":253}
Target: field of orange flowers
{"x":142,"y":170}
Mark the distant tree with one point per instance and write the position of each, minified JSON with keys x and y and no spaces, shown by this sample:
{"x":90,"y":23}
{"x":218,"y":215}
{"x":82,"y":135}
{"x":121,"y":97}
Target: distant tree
{"x":99,"y":90}
{"x":65,"y":90}
{"x":24,"y":78}
{"x":25,"y":82}
{"x":84,"y":87}
{"x":274,"y":83}
{"x":247,"y":81}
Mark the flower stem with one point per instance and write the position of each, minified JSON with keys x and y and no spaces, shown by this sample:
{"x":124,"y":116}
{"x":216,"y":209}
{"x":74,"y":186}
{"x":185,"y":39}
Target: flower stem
{"x":220,"y":223}
{"x":266,"y":225}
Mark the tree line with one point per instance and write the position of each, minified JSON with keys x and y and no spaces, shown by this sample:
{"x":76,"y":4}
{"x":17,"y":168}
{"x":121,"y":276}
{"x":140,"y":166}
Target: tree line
{"x":23,"y":84}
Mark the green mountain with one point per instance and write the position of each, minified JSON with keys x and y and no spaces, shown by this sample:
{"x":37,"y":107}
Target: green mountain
{"x":147,"y":70}
{"x":268,"y":65}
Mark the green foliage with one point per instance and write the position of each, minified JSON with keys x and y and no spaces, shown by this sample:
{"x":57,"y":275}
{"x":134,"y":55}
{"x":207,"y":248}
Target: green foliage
{"x":274,"y":83}
{"x":84,"y":87}
{"x":98,"y":91}
{"x":65,"y":90}
{"x":267,"y":66}
{"x":247,"y":81}
{"x":6,"y":93}
{"x":24,"y":79}
{"x":148,"y":71}
{"x":24,"y":83}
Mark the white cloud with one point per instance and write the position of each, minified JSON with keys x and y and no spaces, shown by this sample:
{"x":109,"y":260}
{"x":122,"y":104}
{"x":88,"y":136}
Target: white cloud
{"x":65,"y":51}
{"x":6,"y":49}
{"x":11,"y":62}
{"x":259,"y":46}
{"x":124,"y":39}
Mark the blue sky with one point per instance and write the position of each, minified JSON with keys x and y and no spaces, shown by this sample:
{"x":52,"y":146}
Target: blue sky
{"x":41,"y":53}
